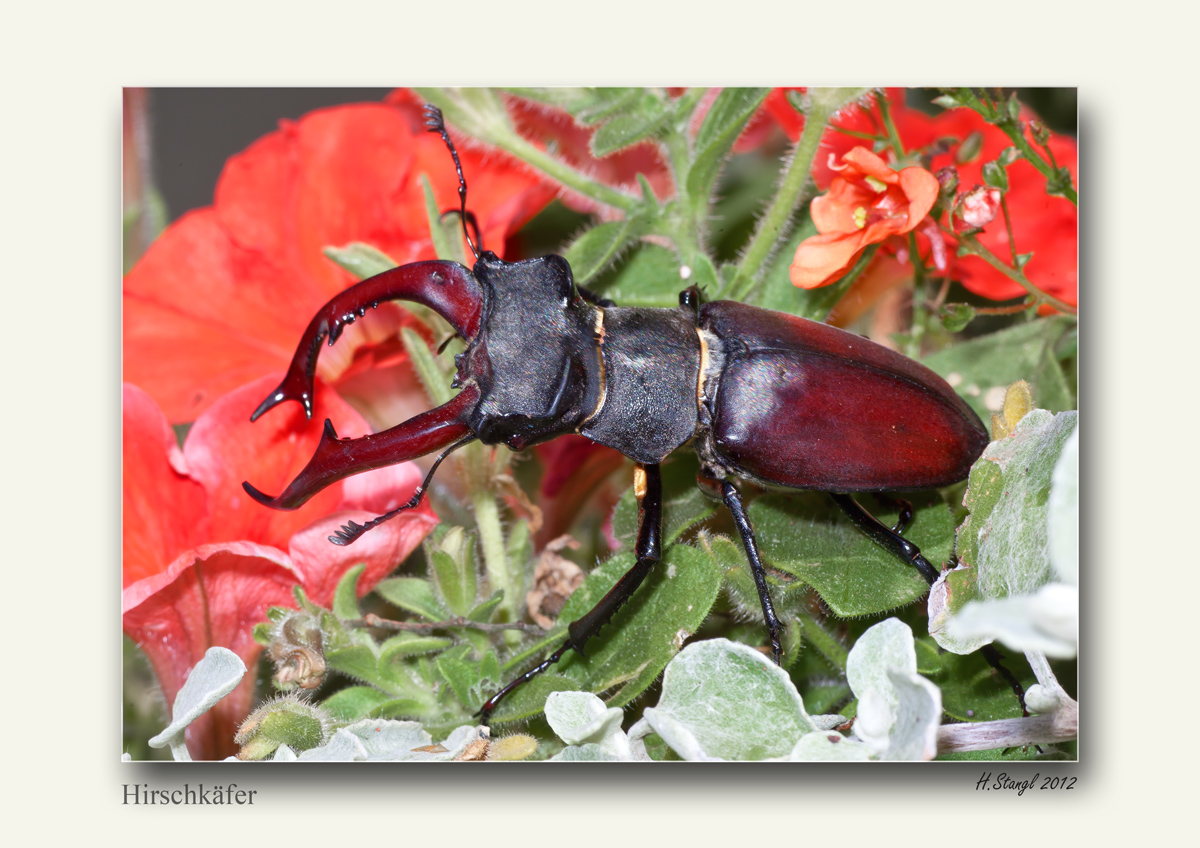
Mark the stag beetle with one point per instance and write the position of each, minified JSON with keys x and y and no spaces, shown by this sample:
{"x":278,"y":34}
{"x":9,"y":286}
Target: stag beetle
{"x":761,"y":395}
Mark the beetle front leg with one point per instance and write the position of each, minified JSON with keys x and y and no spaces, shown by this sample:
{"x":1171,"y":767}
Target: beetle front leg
{"x":648,"y":488}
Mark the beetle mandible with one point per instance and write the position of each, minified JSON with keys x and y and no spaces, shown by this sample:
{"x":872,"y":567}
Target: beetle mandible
{"x":762,"y":396}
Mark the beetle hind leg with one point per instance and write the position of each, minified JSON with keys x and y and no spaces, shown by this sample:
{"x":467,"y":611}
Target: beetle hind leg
{"x":886,"y":537}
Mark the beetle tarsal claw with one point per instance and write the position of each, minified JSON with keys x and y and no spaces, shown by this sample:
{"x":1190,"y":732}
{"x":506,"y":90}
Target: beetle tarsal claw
{"x":347,"y":534}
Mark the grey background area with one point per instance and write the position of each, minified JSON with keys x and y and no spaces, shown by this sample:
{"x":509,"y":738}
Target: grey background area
{"x":194,"y":130}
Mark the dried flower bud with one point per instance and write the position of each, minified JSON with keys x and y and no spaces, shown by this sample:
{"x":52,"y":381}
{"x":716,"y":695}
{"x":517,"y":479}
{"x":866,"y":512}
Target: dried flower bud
{"x":554,"y":579}
{"x":978,"y":207}
{"x":297,"y":651}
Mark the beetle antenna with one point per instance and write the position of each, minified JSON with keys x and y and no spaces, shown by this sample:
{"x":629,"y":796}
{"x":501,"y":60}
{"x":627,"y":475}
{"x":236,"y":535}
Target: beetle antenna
{"x":351,"y":530}
{"x":435,"y":123}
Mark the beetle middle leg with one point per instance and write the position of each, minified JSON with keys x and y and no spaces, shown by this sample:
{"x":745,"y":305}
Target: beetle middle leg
{"x":648,"y":488}
{"x":732,"y":498}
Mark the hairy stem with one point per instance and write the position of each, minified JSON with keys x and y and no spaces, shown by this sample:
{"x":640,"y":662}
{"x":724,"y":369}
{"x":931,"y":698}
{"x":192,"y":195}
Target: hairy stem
{"x":772,"y":225}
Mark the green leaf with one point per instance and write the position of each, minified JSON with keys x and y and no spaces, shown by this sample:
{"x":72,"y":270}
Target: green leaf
{"x":345,"y":596}
{"x":530,"y":698}
{"x":995,"y":176}
{"x":462,"y":674}
{"x":567,"y":99}
{"x":601,"y":103}
{"x":404,"y":645}
{"x":452,"y":565}
{"x":650,"y":276}
{"x":354,"y":703}
{"x":413,"y":594}
{"x":807,"y":536}
{"x":722,"y":125}
{"x":973,"y":691}
{"x":1006,"y":537}
{"x":627,"y":129}
{"x":681,"y":512}
{"x":478,"y":112}
{"x":483,"y":611}
{"x":358,"y":661}
{"x":723,"y":700}
{"x":361,"y":260}
{"x":946,"y":101}
{"x":445,"y":234}
{"x":589,"y":254}
{"x":217,"y":674}
{"x":981,"y":369}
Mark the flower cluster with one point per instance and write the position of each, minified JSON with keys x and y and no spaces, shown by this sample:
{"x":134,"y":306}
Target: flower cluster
{"x":871,"y":203}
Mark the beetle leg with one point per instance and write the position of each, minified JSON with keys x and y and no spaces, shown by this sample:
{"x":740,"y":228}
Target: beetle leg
{"x":886,"y":537}
{"x":648,"y":488}
{"x":352,"y":530}
{"x":336,"y":458}
{"x":890,"y":539}
{"x":733,"y":500}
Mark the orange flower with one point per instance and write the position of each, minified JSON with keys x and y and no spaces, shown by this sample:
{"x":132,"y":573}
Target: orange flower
{"x":866,"y":203}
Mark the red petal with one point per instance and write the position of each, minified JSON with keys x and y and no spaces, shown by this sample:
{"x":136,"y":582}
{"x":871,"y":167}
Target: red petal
{"x":164,"y":510}
{"x":822,"y":259}
{"x":213,"y":595}
{"x":223,"y":449}
{"x":368,"y":495}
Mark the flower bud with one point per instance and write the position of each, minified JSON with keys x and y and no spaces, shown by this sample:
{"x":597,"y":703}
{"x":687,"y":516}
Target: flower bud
{"x":284,"y":721}
{"x":977,"y":207}
{"x":947,"y":181}
{"x":995,"y":175}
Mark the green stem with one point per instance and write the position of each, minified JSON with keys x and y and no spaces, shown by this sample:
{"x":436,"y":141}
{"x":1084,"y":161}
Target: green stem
{"x":565,"y":174}
{"x":1015,"y":131}
{"x":825,"y":642}
{"x":790,"y":195}
{"x":973,"y":246}
{"x":893,"y":136}
{"x":495,"y":558}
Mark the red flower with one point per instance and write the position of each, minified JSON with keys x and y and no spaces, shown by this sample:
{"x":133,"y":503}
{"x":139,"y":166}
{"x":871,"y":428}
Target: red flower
{"x":202,"y":562}
{"x":223,"y":295}
{"x":1042,"y":225}
{"x":867,"y":202}
{"x":857,"y":116}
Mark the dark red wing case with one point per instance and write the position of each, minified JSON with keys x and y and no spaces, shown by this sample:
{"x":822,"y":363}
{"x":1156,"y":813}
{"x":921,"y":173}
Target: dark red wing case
{"x":808,"y":406}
